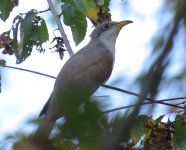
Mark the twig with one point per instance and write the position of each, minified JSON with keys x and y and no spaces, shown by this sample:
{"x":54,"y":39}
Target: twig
{"x":38,"y":12}
{"x":144,"y":103}
{"x":146,"y":98}
{"x":39,"y":73}
{"x":176,"y":120}
{"x":42,"y":11}
{"x":113,"y":88}
{"x":181,"y":103}
{"x":123,"y":91}
{"x":57,"y":19}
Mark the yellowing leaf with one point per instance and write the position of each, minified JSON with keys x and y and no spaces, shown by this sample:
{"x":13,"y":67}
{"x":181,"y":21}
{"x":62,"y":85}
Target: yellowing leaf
{"x":133,"y":137}
{"x":92,"y":13}
{"x":88,"y":8}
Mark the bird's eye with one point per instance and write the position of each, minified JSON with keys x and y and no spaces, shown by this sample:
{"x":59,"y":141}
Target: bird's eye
{"x":107,"y":25}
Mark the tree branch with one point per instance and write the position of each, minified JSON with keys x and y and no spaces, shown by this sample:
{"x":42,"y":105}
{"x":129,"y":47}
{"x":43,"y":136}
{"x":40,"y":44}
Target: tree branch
{"x":57,"y":19}
{"x":42,"y":11}
{"x":38,"y":12}
{"x":146,"y":98}
{"x":31,"y":71}
{"x":145,"y":103}
{"x":113,"y":88}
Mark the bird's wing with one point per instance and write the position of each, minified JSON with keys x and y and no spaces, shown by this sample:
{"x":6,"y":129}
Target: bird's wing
{"x":86,"y":70}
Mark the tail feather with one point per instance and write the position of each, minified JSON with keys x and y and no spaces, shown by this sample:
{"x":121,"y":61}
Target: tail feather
{"x":45,"y":107}
{"x":44,"y":110}
{"x":44,"y":129}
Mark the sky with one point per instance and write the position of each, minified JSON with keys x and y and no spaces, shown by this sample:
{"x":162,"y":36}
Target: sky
{"x":24,"y":94}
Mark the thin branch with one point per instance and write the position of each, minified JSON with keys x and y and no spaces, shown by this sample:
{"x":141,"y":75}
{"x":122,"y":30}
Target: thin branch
{"x":123,"y":91}
{"x":173,"y":99}
{"x":113,"y":88}
{"x":144,"y":103}
{"x":38,"y":12}
{"x":42,"y":11}
{"x":119,"y":108}
{"x":176,"y":120}
{"x":181,"y":103}
{"x":57,"y":19}
{"x":39,"y":73}
{"x":146,"y":98}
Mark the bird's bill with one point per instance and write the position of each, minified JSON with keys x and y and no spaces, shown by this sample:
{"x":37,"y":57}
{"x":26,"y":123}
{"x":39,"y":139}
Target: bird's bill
{"x":122,"y":24}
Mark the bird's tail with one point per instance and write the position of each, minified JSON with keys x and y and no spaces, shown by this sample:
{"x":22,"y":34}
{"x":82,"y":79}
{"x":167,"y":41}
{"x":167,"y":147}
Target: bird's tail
{"x":44,"y":129}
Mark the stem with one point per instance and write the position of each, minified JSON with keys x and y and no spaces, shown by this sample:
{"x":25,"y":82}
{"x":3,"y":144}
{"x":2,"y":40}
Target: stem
{"x":113,"y":88}
{"x":141,"y":96}
{"x":57,"y":19}
{"x":144,"y":103}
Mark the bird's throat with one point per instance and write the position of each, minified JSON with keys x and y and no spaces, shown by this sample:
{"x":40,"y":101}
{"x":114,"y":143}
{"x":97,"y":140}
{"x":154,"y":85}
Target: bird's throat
{"x":110,"y":45}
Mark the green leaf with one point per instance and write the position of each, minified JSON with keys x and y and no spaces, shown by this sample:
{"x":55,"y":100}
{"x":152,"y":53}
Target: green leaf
{"x":137,"y":131}
{"x":6,"y":7}
{"x":143,"y":118}
{"x":100,"y":2}
{"x":74,"y":18}
{"x":180,"y":132}
{"x":79,"y":27}
{"x":40,"y":33}
{"x":16,"y":22}
{"x":81,"y":4}
{"x":26,"y":24}
{"x":158,"y":120}
{"x":106,"y":5}
{"x":25,"y":44}
{"x":2,"y":62}
{"x":68,"y":14}
{"x":88,"y":8}
{"x":33,"y":32}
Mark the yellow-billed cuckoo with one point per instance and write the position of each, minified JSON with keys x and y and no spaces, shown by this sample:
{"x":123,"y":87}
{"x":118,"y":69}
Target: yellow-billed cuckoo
{"x":84,"y":72}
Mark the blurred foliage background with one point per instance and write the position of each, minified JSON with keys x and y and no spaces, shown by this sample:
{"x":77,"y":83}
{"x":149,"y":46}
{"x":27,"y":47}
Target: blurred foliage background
{"x":162,"y":75}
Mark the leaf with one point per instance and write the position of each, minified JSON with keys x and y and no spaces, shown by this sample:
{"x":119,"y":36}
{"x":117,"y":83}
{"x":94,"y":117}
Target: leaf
{"x":143,"y":118}
{"x":2,"y":62}
{"x":25,"y":44}
{"x":137,"y":131}
{"x":74,"y":18}
{"x":79,"y":27}
{"x":16,"y":22}
{"x":33,"y":32}
{"x":81,"y":5}
{"x":106,"y":5}
{"x":88,"y":8}
{"x":100,"y":2}
{"x":40,"y":33}
{"x":26,"y":23}
{"x":68,"y":14}
{"x":158,"y":120}
{"x":6,"y":7}
{"x":180,"y":132}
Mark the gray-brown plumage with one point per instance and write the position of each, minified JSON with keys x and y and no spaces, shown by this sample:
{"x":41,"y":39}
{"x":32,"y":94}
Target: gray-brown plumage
{"x":83,"y":73}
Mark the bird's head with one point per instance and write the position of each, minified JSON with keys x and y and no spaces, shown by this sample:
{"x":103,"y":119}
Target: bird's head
{"x":109,"y":29}
{"x":107,"y":33}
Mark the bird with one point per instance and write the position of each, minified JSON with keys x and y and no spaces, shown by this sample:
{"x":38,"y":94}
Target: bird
{"x":83,"y":72}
